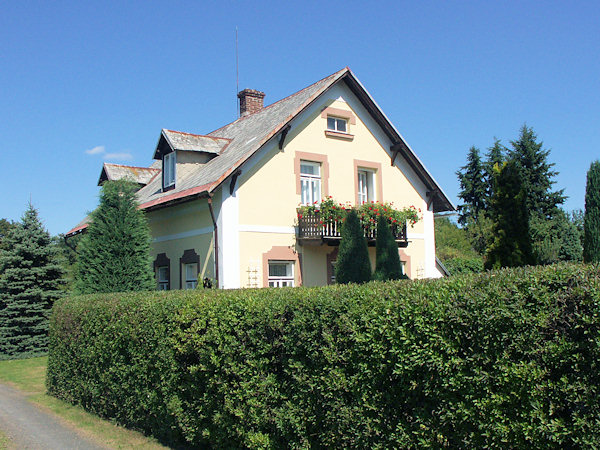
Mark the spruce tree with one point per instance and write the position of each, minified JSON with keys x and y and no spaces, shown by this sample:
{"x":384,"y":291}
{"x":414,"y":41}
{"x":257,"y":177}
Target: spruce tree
{"x":114,"y":253}
{"x":30,"y":282}
{"x":387,"y":259}
{"x":495,"y":156}
{"x":591,"y":218}
{"x":353,"y":264}
{"x":511,"y":242}
{"x":537,"y":176}
{"x":472,"y":188}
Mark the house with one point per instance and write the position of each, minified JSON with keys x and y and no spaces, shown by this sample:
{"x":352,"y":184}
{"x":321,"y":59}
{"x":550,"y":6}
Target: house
{"x":223,"y":206}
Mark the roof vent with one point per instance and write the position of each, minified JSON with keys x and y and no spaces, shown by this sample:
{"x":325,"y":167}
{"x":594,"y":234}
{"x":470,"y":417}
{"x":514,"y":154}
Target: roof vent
{"x":251,"y":101}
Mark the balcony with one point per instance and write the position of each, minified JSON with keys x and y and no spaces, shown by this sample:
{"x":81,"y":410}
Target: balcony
{"x":312,"y":230}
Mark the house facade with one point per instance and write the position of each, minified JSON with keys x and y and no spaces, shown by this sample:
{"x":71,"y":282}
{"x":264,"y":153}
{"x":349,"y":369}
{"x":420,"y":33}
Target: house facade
{"x":224,"y":206}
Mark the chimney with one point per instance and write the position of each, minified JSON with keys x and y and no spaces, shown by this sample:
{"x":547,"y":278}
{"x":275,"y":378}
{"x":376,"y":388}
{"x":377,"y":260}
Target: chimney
{"x":251,"y":101}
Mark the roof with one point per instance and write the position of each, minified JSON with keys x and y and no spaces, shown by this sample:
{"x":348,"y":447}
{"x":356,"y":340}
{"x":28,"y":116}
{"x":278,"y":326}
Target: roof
{"x":236,"y":142}
{"x":141,"y":175}
{"x":177,"y":140}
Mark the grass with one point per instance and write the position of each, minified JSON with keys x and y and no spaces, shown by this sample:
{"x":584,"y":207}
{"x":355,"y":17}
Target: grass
{"x":28,"y":375}
{"x":4,"y":441}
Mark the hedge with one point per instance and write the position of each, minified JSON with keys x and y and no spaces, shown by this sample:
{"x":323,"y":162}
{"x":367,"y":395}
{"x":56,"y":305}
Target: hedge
{"x":502,"y":359}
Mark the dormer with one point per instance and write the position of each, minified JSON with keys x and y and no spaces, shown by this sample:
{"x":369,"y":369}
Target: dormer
{"x":181,"y":153}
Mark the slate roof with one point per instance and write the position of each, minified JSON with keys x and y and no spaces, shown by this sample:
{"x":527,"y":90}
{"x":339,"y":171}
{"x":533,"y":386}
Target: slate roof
{"x":236,"y":142}
{"x":141,"y":175}
{"x":178,"y":140}
{"x":246,"y":135}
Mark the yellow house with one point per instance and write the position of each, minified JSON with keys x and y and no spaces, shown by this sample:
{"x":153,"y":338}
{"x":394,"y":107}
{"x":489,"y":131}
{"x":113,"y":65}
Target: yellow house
{"x":223,"y":206}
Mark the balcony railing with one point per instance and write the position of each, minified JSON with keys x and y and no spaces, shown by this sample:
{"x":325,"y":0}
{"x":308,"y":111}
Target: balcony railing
{"x":312,"y":228}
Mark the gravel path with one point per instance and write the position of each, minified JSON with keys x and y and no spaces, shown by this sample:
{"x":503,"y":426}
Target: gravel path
{"x":30,"y":428}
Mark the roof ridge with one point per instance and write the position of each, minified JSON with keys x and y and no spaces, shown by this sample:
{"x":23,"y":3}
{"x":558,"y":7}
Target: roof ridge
{"x":132,"y":167}
{"x":196,"y":135}
{"x":283,"y":99}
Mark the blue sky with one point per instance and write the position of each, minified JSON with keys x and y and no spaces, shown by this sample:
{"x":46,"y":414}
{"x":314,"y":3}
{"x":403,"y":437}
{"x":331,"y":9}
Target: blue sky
{"x":87,"y":82}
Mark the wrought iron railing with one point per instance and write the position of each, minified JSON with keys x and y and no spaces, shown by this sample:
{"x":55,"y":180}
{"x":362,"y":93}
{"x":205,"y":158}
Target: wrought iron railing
{"x":311,"y":227}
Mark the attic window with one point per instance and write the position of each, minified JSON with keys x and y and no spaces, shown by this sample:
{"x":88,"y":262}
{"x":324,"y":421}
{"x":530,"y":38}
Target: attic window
{"x":337,"y":124}
{"x":169,"y":171}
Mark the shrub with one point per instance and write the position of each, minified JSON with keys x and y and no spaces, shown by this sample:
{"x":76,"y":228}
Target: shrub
{"x":387,"y":259}
{"x":504,"y":359}
{"x":353,"y":263}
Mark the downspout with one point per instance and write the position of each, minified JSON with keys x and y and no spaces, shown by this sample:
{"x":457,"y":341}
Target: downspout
{"x":216,"y":236}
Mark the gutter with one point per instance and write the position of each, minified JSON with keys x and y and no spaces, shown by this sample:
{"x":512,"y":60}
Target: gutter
{"x":216,"y":236}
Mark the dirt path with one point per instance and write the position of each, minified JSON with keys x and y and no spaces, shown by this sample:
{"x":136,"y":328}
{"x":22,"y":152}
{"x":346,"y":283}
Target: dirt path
{"x":30,"y":428}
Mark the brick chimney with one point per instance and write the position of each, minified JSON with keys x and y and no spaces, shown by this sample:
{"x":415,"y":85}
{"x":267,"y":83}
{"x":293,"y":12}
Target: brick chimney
{"x":251,"y":101}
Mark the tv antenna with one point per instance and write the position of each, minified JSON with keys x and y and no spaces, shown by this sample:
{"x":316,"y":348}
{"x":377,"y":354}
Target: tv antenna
{"x":237,"y":71}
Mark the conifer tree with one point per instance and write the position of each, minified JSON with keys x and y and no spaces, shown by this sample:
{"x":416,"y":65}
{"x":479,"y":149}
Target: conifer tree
{"x":536,"y":172}
{"x":511,"y":242}
{"x":494,"y":156}
{"x":591,"y":218}
{"x":30,"y":282}
{"x":473,"y":188}
{"x":353,"y":263}
{"x":387,"y":259}
{"x":114,"y":253}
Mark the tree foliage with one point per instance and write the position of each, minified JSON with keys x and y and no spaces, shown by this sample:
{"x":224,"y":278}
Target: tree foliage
{"x":30,"y":282}
{"x":387,"y":260}
{"x":511,"y":241}
{"x":114,"y":253}
{"x":473,"y":188}
{"x":495,"y":155}
{"x":353,"y":263}
{"x":591,"y":242}
{"x":454,"y":248}
{"x":5,"y":227}
{"x":536,"y":172}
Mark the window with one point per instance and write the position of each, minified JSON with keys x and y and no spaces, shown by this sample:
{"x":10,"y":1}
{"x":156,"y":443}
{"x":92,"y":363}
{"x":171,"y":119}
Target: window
{"x":162,"y":271}
{"x":337,"y":124}
{"x":366,"y":186}
{"x":191,"y":275}
{"x":281,"y":273}
{"x":310,"y":182}
{"x":169,"y":170}
{"x":162,"y":275}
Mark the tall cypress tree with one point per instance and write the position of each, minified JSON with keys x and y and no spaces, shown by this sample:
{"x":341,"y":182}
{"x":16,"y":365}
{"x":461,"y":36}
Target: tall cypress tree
{"x":387,"y":259}
{"x":472,"y":188}
{"x":353,"y":264}
{"x":537,"y":173}
{"x":591,"y":218}
{"x":511,"y":244}
{"x":30,"y":282}
{"x":114,"y":253}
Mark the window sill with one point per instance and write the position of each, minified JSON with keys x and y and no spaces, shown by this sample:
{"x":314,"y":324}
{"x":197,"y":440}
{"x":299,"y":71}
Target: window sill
{"x":168,"y":188}
{"x":339,"y":135}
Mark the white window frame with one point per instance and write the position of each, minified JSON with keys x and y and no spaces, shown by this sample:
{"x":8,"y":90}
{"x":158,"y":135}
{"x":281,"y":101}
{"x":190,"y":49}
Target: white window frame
{"x":333,"y":124}
{"x":310,"y":184}
{"x":366,"y":186}
{"x":286,"y":280}
{"x":190,"y":282}
{"x":169,"y":165}
{"x":162,"y":277}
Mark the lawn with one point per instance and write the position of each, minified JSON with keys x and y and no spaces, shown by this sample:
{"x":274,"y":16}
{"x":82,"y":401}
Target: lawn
{"x":28,"y":375}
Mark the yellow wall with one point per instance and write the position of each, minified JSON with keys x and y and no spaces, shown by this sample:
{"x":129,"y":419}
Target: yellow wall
{"x":179,"y":228}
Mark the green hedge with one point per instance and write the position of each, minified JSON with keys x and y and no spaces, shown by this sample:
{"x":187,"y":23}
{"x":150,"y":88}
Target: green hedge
{"x":502,"y":359}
